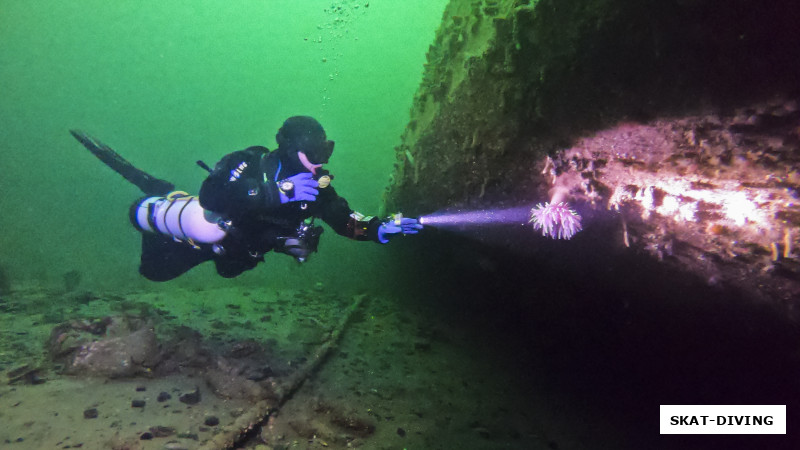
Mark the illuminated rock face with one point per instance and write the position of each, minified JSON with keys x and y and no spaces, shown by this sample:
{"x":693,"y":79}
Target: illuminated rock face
{"x":719,"y":195}
{"x":679,"y":120}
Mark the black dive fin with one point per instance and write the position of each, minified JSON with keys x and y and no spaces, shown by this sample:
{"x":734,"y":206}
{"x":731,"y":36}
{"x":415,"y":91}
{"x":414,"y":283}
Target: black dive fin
{"x":147,"y":183}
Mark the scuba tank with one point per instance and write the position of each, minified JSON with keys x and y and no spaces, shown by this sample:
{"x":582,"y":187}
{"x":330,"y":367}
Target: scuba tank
{"x":180,"y":216}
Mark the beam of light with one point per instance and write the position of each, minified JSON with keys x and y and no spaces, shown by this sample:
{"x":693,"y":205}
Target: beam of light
{"x":459,"y":219}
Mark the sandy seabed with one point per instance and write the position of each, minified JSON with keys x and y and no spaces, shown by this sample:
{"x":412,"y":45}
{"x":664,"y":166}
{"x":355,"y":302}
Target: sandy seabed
{"x":399,"y":378}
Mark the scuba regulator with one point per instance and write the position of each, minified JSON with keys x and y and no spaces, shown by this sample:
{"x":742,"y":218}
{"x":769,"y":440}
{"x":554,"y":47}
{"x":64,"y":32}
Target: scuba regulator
{"x":303,"y":243}
{"x":305,"y":240}
{"x":324,"y":178}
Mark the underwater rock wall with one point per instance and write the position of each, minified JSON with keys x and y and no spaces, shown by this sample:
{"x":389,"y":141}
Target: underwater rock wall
{"x":678,"y":119}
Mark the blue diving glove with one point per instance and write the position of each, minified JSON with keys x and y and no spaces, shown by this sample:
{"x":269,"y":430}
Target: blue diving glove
{"x":298,"y":188}
{"x":393,"y":226}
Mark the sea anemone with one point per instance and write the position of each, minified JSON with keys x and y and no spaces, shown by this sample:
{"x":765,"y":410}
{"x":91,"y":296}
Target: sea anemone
{"x":558,"y":221}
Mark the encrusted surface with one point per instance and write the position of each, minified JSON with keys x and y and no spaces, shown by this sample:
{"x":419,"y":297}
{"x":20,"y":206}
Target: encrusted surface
{"x":685,"y":130}
{"x":716,"y":193}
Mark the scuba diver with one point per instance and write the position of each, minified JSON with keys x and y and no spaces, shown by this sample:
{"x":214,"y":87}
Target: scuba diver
{"x":253,"y":201}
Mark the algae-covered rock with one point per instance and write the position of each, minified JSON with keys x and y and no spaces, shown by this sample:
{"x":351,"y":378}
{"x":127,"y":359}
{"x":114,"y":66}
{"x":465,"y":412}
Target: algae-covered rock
{"x":106,"y":347}
{"x":117,"y":357}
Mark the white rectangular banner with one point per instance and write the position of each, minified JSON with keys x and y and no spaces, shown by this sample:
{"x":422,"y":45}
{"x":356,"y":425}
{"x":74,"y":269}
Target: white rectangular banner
{"x":723,"y":419}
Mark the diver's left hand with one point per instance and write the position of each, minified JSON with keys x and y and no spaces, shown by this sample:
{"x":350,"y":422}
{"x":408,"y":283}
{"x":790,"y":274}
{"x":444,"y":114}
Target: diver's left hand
{"x":407,"y":225}
{"x":303,"y":188}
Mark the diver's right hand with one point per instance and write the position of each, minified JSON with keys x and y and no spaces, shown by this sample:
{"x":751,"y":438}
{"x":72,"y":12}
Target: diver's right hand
{"x":298,"y":188}
{"x":392,"y":227}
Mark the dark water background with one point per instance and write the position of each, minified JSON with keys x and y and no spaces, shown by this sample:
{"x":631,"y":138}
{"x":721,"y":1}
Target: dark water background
{"x":168,"y":83}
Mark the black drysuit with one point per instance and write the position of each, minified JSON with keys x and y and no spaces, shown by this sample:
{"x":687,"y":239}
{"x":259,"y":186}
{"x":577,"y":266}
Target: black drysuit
{"x":243,"y":190}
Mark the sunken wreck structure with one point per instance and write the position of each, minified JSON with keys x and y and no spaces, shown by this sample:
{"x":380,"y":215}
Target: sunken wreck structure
{"x":673,"y":129}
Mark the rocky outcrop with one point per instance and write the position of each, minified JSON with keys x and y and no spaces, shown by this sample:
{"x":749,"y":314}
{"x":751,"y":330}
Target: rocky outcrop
{"x":110,"y":347}
{"x":678,"y":120}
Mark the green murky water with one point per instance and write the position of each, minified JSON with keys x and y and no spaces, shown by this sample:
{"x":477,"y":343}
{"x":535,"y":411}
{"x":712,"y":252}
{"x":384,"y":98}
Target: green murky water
{"x":168,"y":83}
